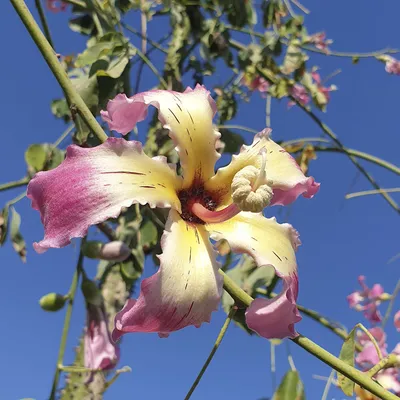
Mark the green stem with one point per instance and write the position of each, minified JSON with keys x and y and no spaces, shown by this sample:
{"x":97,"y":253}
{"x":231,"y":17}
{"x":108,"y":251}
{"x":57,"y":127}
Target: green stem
{"x":315,"y":50}
{"x":360,"y":154}
{"x":69,"y":129}
{"x":371,"y":192}
{"x":316,"y":316}
{"x":387,"y":362}
{"x":390,"y":306}
{"x":240,"y":127}
{"x":213,"y":351}
{"x":45,"y":48}
{"x":356,"y":376}
{"x":152,"y":67}
{"x":77,"y":3}
{"x":11,"y":185}
{"x":43,"y":21}
{"x":67,"y":321}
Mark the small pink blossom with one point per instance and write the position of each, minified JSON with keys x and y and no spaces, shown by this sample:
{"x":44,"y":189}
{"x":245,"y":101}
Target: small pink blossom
{"x":369,"y":356}
{"x":367,"y":300}
{"x":392,"y":66}
{"x":100,"y":351}
{"x":300,"y":93}
{"x":389,"y":379}
{"x":397,"y":320}
{"x":258,"y":83}
{"x":320,"y":42}
{"x":321,"y":88}
{"x":56,"y":5}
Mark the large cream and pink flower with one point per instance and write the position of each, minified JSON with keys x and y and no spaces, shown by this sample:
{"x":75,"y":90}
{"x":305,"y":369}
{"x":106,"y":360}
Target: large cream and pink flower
{"x":93,"y":184}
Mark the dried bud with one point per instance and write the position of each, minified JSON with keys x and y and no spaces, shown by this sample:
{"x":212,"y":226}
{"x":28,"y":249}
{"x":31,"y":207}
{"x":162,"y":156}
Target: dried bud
{"x":52,"y":302}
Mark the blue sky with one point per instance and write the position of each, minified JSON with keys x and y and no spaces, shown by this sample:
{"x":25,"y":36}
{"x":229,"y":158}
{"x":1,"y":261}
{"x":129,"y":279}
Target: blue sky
{"x":341,"y":238}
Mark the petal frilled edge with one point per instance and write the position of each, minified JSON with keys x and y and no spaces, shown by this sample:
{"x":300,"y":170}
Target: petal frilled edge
{"x":188,"y":116}
{"x":92,"y":185}
{"x":287,"y":180}
{"x":185,"y":290}
{"x":269,"y":243}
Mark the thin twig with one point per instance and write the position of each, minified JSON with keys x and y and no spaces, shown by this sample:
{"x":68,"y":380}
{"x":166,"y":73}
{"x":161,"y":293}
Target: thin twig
{"x":11,"y":185}
{"x":369,"y":192}
{"x":214,"y":349}
{"x":67,"y":322}
{"x":391,"y":303}
{"x":239,"y":127}
{"x":43,"y":20}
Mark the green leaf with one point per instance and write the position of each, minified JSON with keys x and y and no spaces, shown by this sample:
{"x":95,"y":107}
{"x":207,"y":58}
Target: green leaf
{"x":347,"y":355}
{"x":294,"y":58}
{"x":36,"y":156}
{"x":261,"y":276}
{"x":15,"y":235}
{"x":233,"y":141}
{"x":291,"y":388}
{"x":93,"y":53}
{"x":83,"y":24}
{"x":148,"y":234}
{"x":3,"y":224}
{"x":60,"y":109}
{"x":115,"y":68}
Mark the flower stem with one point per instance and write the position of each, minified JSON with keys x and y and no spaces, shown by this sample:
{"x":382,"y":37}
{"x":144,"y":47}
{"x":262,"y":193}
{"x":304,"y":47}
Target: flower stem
{"x":49,"y":55}
{"x":387,"y":362}
{"x":67,"y":321}
{"x":10,"y":185}
{"x":213,"y":351}
{"x":239,"y":127}
{"x":350,"y":372}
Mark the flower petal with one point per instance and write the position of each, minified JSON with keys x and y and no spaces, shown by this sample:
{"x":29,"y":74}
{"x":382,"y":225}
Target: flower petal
{"x":396,"y":320}
{"x":187,"y":115}
{"x":288,"y":181}
{"x":275,"y":318}
{"x":184,"y":291}
{"x":269,"y":243}
{"x":92,"y":185}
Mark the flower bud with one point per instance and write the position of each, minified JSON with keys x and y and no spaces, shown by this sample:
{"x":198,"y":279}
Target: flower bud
{"x":385,"y":297}
{"x":52,"y":302}
{"x":112,"y":251}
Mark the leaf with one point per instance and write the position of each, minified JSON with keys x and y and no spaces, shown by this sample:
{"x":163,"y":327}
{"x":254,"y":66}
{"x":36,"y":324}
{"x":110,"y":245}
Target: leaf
{"x":115,"y":68}
{"x":83,"y":24}
{"x":60,"y":109}
{"x":294,"y":58}
{"x":261,"y":276}
{"x":347,"y":355}
{"x":15,"y":235}
{"x":36,"y":156}
{"x":93,"y":53}
{"x":233,"y":141}
{"x":3,"y":224}
{"x":290,"y":388}
{"x":148,"y":234}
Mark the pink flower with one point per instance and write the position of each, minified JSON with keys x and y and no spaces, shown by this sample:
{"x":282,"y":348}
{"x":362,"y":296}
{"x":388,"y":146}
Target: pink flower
{"x":389,"y":379}
{"x":369,"y":356}
{"x":392,"y":65}
{"x":396,"y":320}
{"x":321,"y":88}
{"x":367,"y":300}
{"x":101,"y":352}
{"x":56,"y":5}
{"x":320,"y":41}
{"x":93,"y":184}
{"x":299,"y":92}
{"x":258,"y":83}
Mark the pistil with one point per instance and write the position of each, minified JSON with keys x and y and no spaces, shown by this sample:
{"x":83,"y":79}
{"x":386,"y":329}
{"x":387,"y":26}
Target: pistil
{"x":214,"y":217}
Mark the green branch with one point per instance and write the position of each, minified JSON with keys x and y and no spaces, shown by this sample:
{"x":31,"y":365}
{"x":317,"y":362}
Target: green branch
{"x":67,"y":322}
{"x":11,"y":185}
{"x":241,"y":297}
{"x":213,"y":351}
{"x":49,"y":55}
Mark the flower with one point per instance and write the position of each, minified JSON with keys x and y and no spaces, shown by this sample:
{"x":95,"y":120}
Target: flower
{"x":367,"y":300}
{"x":101,"y":353}
{"x":258,"y":83}
{"x":396,"y":320}
{"x":93,"y":184}
{"x":56,"y":5}
{"x":322,"y":92}
{"x":392,"y":65}
{"x":320,"y":41}
{"x":368,"y":357}
{"x":299,"y":92}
